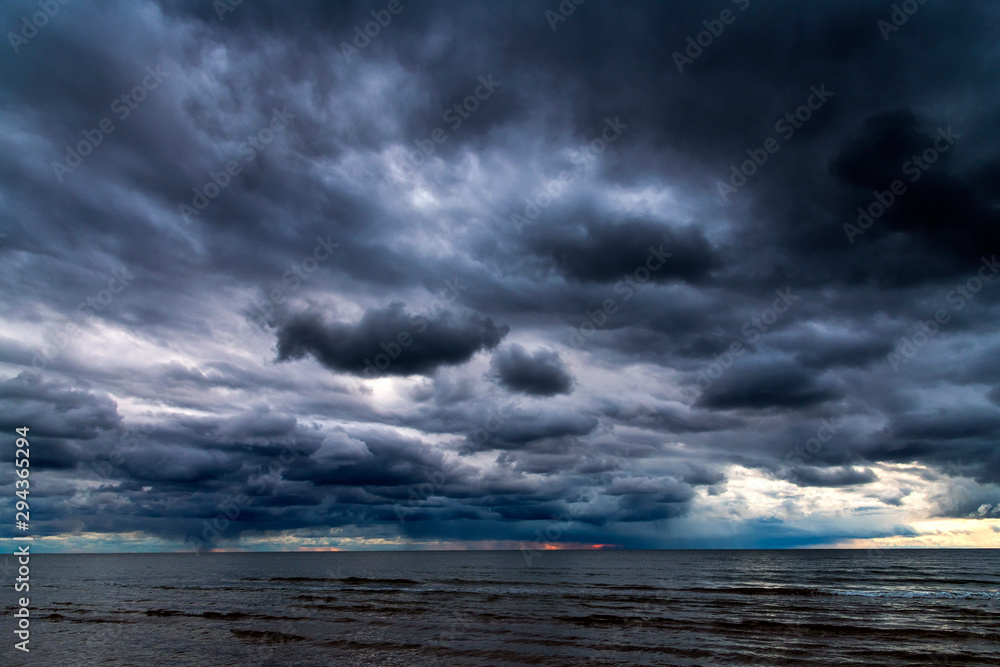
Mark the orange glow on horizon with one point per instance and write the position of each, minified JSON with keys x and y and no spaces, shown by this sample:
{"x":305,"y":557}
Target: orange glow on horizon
{"x":573,"y":546}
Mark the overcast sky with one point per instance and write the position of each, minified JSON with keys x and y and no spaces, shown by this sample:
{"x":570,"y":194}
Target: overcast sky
{"x":468,"y":275}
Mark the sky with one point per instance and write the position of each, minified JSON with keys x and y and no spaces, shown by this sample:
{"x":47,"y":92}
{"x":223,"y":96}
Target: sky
{"x":460,"y":275}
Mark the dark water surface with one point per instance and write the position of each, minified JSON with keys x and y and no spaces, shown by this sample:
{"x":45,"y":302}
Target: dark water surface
{"x":878,"y":607}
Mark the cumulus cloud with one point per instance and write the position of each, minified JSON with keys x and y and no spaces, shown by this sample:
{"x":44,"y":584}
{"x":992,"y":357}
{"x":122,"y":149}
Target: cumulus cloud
{"x":539,"y":374}
{"x":388,"y":341}
{"x":763,"y":386}
{"x":845,"y":476}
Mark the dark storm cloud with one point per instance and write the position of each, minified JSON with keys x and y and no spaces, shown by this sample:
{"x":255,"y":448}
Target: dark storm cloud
{"x":672,"y":419}
{"x":260,"y":425}
{"x":969,"y":503}
{"x":603,"y":251}
{"x":390,"y":464}
{"x":537,"y":429}
{"x":994,"y":395}
{"x":541,"y":373}
{"x":166,"y":464}
{"x":55,"y":409}
{"x":846,"y":476}
{"x":764,"y":386}
{"x":874,"y":158}
{"x":948,"y":425}
{"x":388,"y":341}
{"x":223,"y":375}
{"x":845,"y":349}
{"x":298,"y":254}
{"x":936,"y":206}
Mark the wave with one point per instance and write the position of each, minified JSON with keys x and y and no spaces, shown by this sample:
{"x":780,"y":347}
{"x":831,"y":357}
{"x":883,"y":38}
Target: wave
{"x":932,"y":595}
{"x":634,"y":587}
{"x":267,"y":636}
{"x":228,"y":615}
{"x":826,"y":592}
{"x":219,"y":615}
{"x":351,"y":580}
{"x":754,"y":590}
{"x":846,"y":630}
{"x":316,"y":598}
{"x":601,"y":620}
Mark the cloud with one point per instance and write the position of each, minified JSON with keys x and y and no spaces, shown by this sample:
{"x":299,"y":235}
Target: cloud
{"x":388,"y":341}
{"x":539,"y":374}
{"x":761,"y":387}
{"x":845,"y":476}
{"x":994,"y":395}
{"x":650,"y":500}
{"x":55,"y":409}
{"x":603,"y":251}
{"x":874,"y":158}
{"x":537,"y":429}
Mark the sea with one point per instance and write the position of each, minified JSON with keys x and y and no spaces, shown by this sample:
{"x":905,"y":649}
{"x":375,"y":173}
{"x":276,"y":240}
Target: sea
{"x":490,"y":608}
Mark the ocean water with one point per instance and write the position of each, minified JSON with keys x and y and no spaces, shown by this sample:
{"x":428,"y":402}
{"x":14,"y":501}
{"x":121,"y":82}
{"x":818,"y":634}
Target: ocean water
{"x":875,"y":607}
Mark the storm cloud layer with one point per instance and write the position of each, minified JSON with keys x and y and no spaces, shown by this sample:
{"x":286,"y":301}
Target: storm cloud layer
{"x":438,"y":274}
